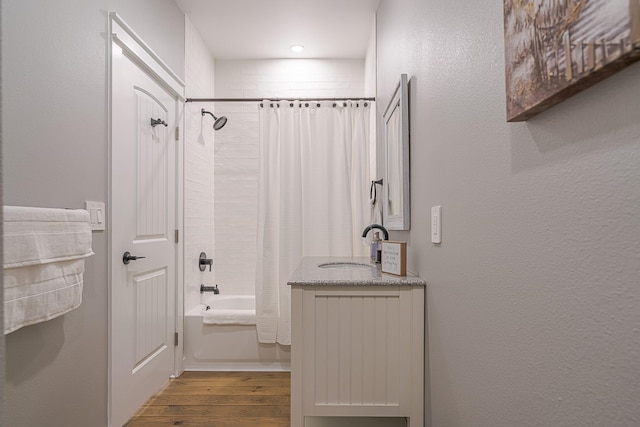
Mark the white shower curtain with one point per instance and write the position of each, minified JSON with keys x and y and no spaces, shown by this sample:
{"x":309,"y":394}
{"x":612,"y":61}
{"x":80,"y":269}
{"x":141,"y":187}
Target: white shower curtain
{"x":315,"y":175}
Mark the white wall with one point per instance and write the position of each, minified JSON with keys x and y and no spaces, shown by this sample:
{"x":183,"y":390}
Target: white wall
{"x":55,"y":155}
{"x":236,"y":148}
{"x":370,"y":62}
{"x":370,"y":89}
{"x":2,"y":352}
{"x":198,"y":186}
{"x":160,"y":23}
{"x":533,"y":299}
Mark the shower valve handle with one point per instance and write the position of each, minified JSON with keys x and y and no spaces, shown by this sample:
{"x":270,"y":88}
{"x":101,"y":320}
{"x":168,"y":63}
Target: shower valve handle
{"x":203,"y":261}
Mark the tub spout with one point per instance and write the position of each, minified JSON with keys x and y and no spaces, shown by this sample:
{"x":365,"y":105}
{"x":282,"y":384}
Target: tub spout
{"x":385,"y":233}
{"x":213,"y":289}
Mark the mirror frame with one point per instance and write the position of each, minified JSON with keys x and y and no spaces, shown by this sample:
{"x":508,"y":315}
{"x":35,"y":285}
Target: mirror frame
{"x":400,"y":99}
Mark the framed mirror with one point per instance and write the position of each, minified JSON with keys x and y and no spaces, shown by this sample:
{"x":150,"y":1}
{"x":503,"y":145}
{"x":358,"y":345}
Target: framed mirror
{"x":395,"y":212}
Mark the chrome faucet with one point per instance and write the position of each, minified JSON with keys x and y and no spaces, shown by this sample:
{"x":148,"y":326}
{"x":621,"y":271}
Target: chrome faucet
{"x":385,"y":233}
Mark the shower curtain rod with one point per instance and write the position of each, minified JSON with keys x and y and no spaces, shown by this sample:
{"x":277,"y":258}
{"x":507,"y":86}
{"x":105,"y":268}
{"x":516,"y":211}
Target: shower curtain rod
{"x":275,"y":99}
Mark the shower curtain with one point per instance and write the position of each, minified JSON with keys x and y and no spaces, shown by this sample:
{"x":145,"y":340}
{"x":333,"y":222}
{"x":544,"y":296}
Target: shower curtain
{"x":315,"y":174}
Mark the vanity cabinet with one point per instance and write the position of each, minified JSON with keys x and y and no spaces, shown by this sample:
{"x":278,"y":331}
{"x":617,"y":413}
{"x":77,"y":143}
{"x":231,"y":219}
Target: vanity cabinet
{"x":357,"y":347}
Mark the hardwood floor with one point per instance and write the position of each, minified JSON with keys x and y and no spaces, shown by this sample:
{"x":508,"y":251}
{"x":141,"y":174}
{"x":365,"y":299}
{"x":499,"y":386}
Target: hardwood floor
{"x":220,"y":399}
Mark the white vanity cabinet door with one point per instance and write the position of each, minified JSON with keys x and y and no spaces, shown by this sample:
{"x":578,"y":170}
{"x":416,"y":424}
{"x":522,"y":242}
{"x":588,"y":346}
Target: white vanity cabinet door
{"x":357,"y":351}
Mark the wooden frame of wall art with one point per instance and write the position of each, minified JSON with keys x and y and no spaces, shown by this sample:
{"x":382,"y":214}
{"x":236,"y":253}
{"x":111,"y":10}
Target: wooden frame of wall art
{"x":557,"y":48}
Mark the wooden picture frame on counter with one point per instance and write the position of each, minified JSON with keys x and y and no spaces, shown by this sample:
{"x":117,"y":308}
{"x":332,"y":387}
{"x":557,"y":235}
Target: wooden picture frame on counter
{"x":394,"y":257}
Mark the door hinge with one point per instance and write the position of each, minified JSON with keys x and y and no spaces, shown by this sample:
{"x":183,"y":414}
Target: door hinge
{"x":175,"y":339}
{"x":177,"y":133}
{"x":177,"y":235}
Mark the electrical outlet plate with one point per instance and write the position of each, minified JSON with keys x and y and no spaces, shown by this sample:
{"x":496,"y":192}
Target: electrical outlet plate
{"x":97,"y":214}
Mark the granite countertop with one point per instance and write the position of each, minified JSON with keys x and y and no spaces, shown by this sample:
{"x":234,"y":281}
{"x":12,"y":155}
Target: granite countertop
{"x":309,"y":273}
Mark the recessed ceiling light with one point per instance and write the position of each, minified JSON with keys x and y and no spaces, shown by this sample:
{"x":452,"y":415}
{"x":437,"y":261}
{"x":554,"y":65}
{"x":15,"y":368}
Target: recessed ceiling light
{"x":297,"y":48}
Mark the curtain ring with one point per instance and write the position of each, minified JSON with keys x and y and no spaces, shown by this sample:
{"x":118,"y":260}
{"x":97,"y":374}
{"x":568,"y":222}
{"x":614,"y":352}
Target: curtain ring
{"x":306,"y":104}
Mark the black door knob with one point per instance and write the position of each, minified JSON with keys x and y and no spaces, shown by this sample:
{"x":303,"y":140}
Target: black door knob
{"x":127,"y":257}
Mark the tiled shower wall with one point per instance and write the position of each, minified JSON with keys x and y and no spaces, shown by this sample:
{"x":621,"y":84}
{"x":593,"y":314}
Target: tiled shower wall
{"x":198,"y":170}
{"x":236,"y":147}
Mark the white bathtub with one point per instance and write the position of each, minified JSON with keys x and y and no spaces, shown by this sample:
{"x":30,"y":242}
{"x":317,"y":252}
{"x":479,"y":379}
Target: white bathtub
{"x":230,"y":310}
{"x":229,"y":347}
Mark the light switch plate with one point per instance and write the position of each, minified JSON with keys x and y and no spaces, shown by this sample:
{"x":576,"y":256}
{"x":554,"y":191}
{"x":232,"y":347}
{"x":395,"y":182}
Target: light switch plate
{"x":436,"y":224}
{"x":97,"y":214}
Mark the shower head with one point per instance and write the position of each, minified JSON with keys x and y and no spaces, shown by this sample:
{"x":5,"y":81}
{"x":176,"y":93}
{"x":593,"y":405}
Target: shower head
{"x":219,"y":121}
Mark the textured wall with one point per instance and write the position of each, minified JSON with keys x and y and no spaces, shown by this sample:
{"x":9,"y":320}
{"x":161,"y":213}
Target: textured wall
{"x":236,"y":148}
{"x":55,"y":155}
{"x":198,"y":171}
{"x":533,"y":298}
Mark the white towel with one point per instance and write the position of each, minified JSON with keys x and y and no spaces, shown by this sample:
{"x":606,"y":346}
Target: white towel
{"x":39,"y":293}
{"x":229,"y":317}
{"x":39,"y":236}
{"x":44,"y":252}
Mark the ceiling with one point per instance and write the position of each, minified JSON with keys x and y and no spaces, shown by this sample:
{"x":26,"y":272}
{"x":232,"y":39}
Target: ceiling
{"x":254,"y":29}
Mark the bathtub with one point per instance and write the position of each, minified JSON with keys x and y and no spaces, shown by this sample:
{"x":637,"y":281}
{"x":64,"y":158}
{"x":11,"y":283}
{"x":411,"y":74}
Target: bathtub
{"x":231,"y":342}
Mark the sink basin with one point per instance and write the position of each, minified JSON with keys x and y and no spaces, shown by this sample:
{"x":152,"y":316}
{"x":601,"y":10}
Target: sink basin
{"x":344,"y":265}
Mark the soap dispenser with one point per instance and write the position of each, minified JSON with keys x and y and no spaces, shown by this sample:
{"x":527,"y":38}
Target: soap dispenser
{"x":376,"y":248}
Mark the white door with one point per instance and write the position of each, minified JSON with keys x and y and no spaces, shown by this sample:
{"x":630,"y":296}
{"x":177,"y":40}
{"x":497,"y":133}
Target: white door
{"x":143,"y":197}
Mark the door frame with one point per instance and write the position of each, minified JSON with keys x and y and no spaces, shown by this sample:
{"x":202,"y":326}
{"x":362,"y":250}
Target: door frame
{"x":122,"y":35}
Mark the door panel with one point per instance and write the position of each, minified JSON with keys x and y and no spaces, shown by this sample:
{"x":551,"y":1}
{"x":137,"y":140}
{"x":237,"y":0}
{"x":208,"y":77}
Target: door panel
{"x":149,"y":314}
{"x":143,"y":197}
{"x":152,"y":167}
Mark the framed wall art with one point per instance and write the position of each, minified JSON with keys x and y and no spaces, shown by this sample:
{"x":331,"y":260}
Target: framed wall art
{"x":557,"y":48}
